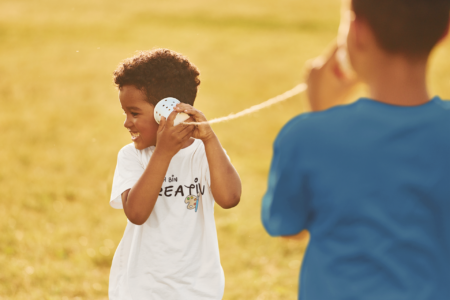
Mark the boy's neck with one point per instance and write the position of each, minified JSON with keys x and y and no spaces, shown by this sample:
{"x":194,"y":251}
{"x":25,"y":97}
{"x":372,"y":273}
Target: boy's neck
{"x":400,"y":82}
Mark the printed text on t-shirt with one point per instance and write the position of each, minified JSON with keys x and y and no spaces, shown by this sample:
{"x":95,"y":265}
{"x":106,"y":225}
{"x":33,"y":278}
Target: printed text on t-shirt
{"x":174,"y":191}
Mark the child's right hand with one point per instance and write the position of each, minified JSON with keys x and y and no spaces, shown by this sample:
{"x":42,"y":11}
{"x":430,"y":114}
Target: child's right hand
{"x":170,"y":139}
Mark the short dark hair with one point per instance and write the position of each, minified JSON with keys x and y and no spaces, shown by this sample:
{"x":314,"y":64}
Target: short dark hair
{"x":160,"y":73}
{"x":410,"y":27}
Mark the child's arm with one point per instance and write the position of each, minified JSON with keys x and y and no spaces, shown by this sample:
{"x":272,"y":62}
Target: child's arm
{"x":225,"y":182}
{"x":138,"y":202}
{"x":285,"y":208}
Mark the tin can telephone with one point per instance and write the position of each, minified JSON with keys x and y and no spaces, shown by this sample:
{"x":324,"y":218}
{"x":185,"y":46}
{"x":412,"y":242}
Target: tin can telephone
{"x":165,"y":107}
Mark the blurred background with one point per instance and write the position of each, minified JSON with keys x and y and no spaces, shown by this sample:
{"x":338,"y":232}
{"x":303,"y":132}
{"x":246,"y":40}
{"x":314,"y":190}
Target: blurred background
{"x":61,"y":129}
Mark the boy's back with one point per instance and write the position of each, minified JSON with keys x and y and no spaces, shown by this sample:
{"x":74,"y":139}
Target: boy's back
{"x":370,"y":183}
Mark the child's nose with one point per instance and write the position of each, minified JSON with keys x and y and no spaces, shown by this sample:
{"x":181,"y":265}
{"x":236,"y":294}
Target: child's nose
{"x":127,"y":123}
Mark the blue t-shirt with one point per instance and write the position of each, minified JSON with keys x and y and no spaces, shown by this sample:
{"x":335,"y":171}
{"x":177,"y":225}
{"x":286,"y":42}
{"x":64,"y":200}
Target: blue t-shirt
{"x":371,"y":183}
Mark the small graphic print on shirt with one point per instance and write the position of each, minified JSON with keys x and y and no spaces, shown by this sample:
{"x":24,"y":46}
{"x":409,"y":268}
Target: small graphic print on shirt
{"x":192,"y":202}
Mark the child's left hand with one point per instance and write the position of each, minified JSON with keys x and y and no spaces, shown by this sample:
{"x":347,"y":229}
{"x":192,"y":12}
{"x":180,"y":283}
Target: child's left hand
{"x":203,"y":131}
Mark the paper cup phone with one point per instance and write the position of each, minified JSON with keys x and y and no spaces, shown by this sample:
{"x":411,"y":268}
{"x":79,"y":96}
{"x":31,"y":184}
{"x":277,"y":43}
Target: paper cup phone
{"x":165,"y":107}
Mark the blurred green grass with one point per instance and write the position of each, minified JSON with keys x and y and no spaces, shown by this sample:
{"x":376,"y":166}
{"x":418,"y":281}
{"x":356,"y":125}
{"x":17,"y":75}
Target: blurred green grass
{"x":61,"y":129}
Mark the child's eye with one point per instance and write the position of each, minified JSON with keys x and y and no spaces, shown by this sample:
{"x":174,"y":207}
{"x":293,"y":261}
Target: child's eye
{"x":134,"y":114}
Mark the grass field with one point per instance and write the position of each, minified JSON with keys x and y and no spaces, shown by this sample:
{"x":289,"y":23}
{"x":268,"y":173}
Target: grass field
{"x":61,"y":129}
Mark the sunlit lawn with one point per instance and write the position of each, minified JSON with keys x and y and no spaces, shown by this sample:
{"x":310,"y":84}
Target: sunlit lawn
{"x":61,"y":129}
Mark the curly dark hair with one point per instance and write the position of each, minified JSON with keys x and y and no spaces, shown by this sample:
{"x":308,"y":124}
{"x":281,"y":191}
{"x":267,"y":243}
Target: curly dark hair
{"x":160,"y":73}
{"x":410,"y":27}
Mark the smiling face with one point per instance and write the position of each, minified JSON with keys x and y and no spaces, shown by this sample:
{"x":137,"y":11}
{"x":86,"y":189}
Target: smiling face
{"x":139,"y":121}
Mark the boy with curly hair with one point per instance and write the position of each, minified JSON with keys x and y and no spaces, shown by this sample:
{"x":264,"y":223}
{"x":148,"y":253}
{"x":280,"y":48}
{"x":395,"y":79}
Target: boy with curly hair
{"x":167,"y":182}
{"x":370,"y":181}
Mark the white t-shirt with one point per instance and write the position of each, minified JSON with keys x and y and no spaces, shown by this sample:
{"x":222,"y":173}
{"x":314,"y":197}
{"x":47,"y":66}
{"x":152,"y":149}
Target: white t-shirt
{"x":174,"y":254}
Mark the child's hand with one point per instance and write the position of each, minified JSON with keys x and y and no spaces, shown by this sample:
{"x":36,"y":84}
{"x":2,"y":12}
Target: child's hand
{"x":328,"y":86}
{"x":170,"y":139}
{"x":203,"y":131}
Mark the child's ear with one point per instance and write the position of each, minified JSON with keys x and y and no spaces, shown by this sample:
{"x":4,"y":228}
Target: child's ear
{"x":363,"y":34}
{"x":356,"y":33}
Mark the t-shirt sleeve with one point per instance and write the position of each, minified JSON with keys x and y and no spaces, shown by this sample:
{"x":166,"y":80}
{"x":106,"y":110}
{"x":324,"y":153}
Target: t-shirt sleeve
{"x":285,"y":204}
{"x":128,"y":171}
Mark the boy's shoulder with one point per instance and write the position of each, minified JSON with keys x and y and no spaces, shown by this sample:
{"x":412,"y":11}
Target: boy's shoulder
{"x":341,"y":119}
{"x":444,"y":103}
{"x":129,"y":152}
{"x":130,"y":149}
{"x":312,"y":123}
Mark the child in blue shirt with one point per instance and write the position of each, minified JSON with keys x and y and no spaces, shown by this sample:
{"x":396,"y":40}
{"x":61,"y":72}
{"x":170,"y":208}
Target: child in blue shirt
{"x":370,"y":181}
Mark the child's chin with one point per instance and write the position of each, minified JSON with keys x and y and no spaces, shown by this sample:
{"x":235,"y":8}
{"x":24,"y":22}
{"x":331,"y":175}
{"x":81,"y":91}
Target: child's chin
{"x":140,"y":145}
